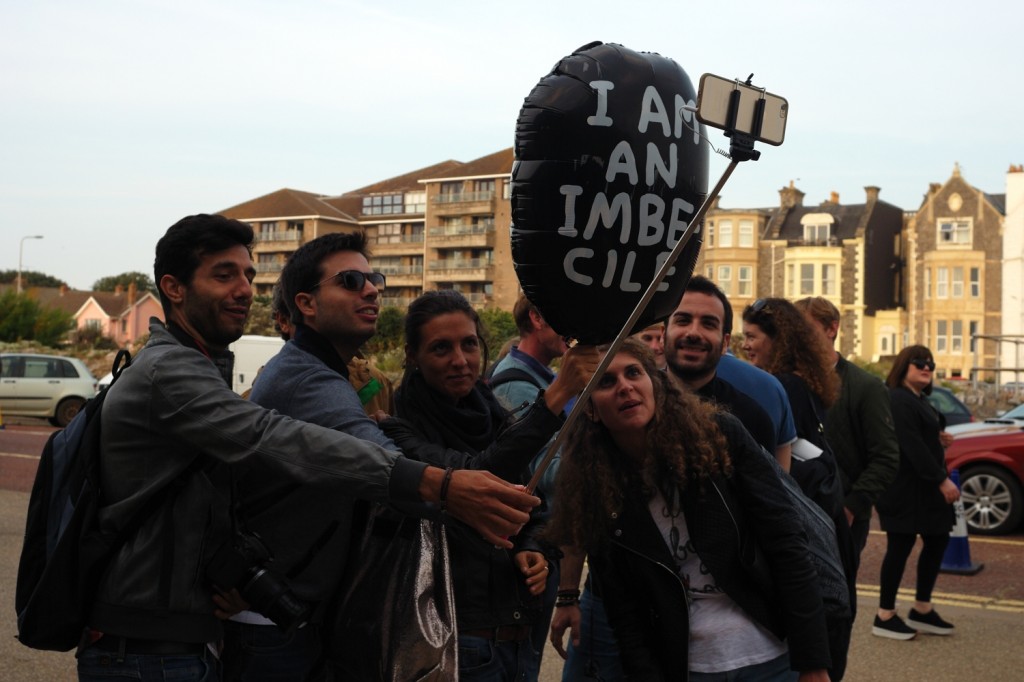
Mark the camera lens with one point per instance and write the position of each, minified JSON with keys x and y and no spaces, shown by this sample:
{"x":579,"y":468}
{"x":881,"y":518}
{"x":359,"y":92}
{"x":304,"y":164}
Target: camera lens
{"x":270,"y":595}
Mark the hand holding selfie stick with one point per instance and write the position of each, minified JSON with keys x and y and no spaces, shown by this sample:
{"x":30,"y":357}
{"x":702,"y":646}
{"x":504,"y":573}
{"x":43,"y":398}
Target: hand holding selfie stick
{"x":743,"y":127}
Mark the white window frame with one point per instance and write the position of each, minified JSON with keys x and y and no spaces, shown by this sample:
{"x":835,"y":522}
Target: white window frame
{"x":829,"y":284}
{"x":953,"y":232}
{"x":941,"y":340}
{"x":745,"y":234}
{"x":724,"y":234}
{"x":941,"y":282}
{"x":807,"y":279}
{"x":975,"y":274}
{"x":956,"y":344}
{"x":957,"y":290}
{"x":725,"y":279}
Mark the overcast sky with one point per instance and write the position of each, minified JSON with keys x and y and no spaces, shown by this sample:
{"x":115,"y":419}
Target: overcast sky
{"x":118,"y":117}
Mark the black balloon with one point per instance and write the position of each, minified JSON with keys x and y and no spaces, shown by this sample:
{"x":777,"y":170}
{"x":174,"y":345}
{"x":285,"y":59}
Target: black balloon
{"x":609,"y":170}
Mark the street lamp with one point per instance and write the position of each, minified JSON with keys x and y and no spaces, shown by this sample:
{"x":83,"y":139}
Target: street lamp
{"x":21,"y":248}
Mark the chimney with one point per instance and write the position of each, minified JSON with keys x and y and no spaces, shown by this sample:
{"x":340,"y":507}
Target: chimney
{"x":118,"y":290}
{"x":790,"y":197}
{"x":834,"y":198}
{"x":872,"y":193}
{"x":63,"y":289}
{"x":133,"y":291}
{"x":934,"y":187}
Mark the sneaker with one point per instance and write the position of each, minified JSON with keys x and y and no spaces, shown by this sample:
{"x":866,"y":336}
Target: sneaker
{"x":929,"y":622}
{"x":894,"y":628}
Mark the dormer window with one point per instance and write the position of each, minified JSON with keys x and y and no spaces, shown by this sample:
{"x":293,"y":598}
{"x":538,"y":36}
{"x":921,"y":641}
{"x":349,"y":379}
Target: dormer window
{"x":817,"y":228}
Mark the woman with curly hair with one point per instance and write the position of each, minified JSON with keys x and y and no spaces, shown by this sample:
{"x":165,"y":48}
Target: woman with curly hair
{"x":690,"y":535}
{"x":779,"y":339}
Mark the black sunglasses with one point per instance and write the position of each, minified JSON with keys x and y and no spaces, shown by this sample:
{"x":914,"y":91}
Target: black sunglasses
{"x":758,"y":305}
{"x":924,"y":364}
{"x":353,"y":280}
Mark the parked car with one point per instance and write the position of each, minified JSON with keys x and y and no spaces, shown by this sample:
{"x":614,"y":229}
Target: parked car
{"x":1010,"y":418}
{"x":991,"y":464}
{"x":51,"y":386}
{"x":943,"y":400}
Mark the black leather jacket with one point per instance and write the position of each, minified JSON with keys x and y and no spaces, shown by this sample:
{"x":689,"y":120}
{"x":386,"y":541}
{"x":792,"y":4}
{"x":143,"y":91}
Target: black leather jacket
{"x":170,"y":413}
{"x":749,"y":538}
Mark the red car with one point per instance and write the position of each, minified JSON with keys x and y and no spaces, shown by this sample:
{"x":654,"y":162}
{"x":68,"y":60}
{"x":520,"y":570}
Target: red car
{"x":991,"y":464}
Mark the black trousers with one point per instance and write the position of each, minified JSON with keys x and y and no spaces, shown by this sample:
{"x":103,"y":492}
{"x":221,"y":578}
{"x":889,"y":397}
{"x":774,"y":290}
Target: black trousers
{"x":929,"y":562}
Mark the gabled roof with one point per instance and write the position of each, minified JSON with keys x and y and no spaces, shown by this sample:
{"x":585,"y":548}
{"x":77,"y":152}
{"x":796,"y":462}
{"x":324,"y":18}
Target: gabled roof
{"x":498,"y":163}
{"x":71,"y":301}
{"x":998,"y":202}
{"x":286,"y":203}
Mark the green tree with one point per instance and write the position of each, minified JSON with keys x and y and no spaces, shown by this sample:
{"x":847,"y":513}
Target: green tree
{"x":499,"y":327}
{"x":30,"y":278}
{"x":260,"y":321}
{"x":142,"y":281}
{"x":23,"y":319}
{"x":390,"y":331}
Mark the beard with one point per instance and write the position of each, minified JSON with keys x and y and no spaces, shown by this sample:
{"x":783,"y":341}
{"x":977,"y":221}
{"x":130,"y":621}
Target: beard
{"x":691,"y":371}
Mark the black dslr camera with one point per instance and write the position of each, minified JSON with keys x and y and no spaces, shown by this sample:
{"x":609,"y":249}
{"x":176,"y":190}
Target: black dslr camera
{"x":241,"y":563}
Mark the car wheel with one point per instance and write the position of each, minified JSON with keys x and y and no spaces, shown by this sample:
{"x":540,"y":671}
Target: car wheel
{"x":993,"y":501}
{"x":66,"y":411}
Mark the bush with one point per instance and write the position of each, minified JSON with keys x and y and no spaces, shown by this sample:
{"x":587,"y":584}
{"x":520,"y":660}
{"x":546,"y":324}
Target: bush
{"x":23,"y":319}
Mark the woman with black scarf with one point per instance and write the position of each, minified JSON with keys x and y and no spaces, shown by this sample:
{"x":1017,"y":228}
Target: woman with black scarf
{"x":442,"y":400}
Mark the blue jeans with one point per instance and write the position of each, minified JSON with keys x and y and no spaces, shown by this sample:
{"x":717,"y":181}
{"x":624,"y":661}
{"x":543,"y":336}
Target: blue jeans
{"x":264,"y":653}
{"x":483,"y":660}
{"x":775,"y":670}
{"x":97,"y":665}
{"x":597,"y":657}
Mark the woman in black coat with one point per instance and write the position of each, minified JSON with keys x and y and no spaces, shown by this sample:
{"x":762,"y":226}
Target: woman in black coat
{"x":691,"y":538}
{"x":919,"y":501}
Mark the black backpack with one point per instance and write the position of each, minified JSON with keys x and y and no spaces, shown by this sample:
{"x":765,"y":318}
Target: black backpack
{"x":65,"y":553}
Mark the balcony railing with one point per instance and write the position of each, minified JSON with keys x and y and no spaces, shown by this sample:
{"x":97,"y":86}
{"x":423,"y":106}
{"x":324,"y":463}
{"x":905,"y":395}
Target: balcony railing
{"x":460,"y":264}
{"x":281,"y":236}
{"x":384,"y":240}
{"x":459,"y":197}
{"x":481,"y":227}
{"x":395,"y":301}
{"x":822,"y":241}
{"x":477,"y":298}
{"x":269,"y":267}
{"x":401,"y":270}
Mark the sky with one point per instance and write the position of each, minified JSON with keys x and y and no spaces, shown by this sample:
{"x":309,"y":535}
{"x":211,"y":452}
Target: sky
{"x":119,"y":117}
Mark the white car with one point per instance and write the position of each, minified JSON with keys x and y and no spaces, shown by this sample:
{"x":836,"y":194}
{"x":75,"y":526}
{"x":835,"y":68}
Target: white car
{"x":50,"y":386}
{"x":1014,"y":417}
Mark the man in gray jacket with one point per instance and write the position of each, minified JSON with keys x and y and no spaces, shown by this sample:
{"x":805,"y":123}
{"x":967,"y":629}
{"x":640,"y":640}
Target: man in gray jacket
{"x":859,"y":427}
{"x":171,"y":425}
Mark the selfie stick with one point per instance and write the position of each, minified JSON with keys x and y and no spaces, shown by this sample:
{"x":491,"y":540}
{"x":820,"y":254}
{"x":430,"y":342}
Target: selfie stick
{"x":741,"y":148}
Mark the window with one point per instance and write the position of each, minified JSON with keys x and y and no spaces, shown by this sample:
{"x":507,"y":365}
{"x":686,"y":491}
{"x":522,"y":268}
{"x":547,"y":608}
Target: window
{"x":927,"y":282}
{"x":941,"y":330}
{"x":711,"y":234}
{"x":817,"y":228}
{"x":389,"y":233}
{"x":791,"y":280}
{"x":295,"y":225}
{"x":746,"y":233}
{"x":972,"y":328}
{"x":725,"y":233}
{"x":975,"y":282}
{"x":709,"y":272}
{"x":957,"y":337}
{"x":383,"y":204}
{"x":506,"y":189}
{"x":817,"y":234}
{"x":941,"y":282}
{"x":828,"y":280}
{"x":483,"y":186}
{"x":745,"y":280}
{"x":954,"y":232}
{"x":958,"y":282}
{"x":806,"y":279}
{"x":725,"y":279}
{"x":885,"y":345}
{"x":267,"y":228}
{"x":415,"y":202}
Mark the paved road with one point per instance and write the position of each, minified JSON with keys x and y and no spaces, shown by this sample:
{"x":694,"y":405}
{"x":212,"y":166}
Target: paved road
{"x":987,"y":608}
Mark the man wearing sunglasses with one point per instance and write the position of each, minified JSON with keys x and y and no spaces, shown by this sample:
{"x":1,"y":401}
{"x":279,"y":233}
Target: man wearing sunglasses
{"x":333,"y":298}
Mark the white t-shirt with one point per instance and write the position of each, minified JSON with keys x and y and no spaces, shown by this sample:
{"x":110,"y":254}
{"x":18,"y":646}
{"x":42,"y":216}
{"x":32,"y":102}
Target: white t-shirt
{"x":722,"y":636}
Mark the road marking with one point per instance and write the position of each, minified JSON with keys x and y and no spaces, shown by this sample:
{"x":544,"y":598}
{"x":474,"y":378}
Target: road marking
{"x":969,"y":601}
{"x":18,"y":455}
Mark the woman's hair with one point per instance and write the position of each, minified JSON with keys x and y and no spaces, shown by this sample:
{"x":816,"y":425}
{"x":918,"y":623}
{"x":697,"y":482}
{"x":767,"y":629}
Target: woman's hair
{"x":902,"y":363}
{"x":797,"y":347}
{"x":431,"y":304}
{"x":684,"y":445}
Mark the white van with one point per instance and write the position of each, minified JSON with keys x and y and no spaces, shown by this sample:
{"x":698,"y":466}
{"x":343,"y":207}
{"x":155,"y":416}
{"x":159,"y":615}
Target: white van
{"x":251,"y":353}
